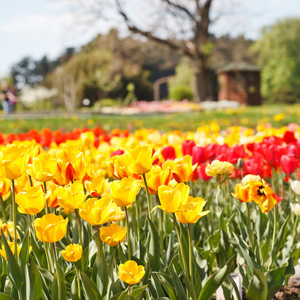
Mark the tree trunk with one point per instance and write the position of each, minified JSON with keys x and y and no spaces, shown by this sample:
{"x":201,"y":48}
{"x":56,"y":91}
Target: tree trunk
{"x":202,"y":82}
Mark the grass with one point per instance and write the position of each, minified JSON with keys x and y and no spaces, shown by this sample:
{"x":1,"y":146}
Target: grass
{"x":278,"y":115}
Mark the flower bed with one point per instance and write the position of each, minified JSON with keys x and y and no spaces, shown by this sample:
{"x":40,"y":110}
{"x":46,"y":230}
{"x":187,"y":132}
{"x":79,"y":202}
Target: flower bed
{"x":91,"y":214}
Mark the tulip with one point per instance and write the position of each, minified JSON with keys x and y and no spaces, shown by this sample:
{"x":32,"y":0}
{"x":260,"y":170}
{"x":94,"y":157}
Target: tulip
{"x":8,"y":230}
{"x":171,"y":198}
{"x":12,"y":248}
{"x":203,"y":174}
{"x":187,"y":147}
{"x":97,"y":211}
{"x":157,"y":177}
{"x":71,"y":197}
{"x":4,"y":187}
{"x":295,"y":185}
{"x":198,"y":154}
{"x":50,"y":228}
{"x":43,"y":167}
{"x":113,"y":235}
{"x":131,"y":272}
{"x":142,"y":160}
{"x":13,"y":162}
{"x":72,"y":253}
{"x":288,"y":163}
{"x":96,"y":186}
{"x":182,"y":168}
{"x":168,"y":153}
{"x":218,"y":168}
{"x":32,"y":201}
{"x":192,"y":210}
{"x":125,"y":191}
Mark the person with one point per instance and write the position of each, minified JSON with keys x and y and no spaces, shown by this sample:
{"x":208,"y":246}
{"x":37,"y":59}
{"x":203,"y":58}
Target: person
{"x":5,"y":94}
{"x":8,"y":99}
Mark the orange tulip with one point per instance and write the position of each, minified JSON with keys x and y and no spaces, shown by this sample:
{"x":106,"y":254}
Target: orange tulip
{"x":113,"y":234}
{"x":157,"y":177}
{"x":72,"y":253}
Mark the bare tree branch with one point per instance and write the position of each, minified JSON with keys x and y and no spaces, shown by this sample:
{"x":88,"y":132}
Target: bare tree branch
{"x":181,"y":8}
{"x":170,"y":43}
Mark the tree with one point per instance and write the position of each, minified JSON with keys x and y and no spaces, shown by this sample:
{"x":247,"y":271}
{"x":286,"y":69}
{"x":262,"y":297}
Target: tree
{"x":191,"y":21}
{"x":278,"y":54}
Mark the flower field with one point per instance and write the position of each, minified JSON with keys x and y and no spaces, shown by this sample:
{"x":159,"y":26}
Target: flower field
{"x":98,"y":214}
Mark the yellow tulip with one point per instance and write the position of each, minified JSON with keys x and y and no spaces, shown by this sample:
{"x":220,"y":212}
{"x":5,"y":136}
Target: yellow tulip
{"x":118,"y":215}
{"x":142,"y":160}
{"x":157,"y":177}
{"x":50,"y":228}
{"x":182,"y":168}
{"x":171,"y":198}
{"x":97,"y":211}
{"x":71,"y":196}
{"x":43,"y":167}
{"x":96,"y":186}
{"x":192,"y":210}
{"x":218,"y":168}
{"x":32,"y":201}
{"x":124,"y":192}
{"x":4,"y":187}
{"x":72,"y":253}
{"x":113,"y":234}
{"x":8,"y":229}
{"x":12,"y":248}
{"x":131,"y":272}
{"x":13,"y":162}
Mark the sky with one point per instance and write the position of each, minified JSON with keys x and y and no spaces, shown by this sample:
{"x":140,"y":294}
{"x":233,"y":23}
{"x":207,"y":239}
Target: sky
{"x":46,"y":27}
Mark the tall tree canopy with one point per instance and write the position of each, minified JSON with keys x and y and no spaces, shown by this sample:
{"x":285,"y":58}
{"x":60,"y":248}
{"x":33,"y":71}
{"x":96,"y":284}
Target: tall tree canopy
{"x":279,"y":54}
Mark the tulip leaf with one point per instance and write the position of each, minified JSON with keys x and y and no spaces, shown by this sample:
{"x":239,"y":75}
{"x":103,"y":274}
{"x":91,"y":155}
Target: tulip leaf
{"x":13,"y":268}
{"x":190,"y":287}
{"x":24,"y":252}
{"x":181,"y":292}
{"x":59,"y":285}
{"x":5,"y":297}
{"x":74,"y":289}
{"x":156,"y":288}
{"x":166,"y":281}
{"x":137,"y":291}
{"x":121,"y":254}
{"x":38,"y":252}
{"x":154,"y":247}
{"x":217,"y":279}
{"x":103,"y":280}
{"x":36,"y":293}
{"x":90,"y":289}
{"x":278,"y":277}
{"x":279,"y":238}
{"x":258,"y":288}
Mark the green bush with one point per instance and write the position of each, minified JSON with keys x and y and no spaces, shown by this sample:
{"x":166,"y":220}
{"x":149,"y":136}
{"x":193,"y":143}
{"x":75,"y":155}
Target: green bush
{"x":181,"y":92}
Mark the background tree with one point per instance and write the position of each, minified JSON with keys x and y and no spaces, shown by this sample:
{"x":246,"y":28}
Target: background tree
{"x":279,"y":55}
{"x":188,"y":22}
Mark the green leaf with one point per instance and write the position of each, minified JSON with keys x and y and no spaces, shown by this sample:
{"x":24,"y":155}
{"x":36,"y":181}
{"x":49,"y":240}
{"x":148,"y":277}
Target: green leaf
{"x":38,"y":252}
{"x":258,"y":288}
{"x":279,"y":238}
{"x":137,"y":291}
{"x":36,"y":293}
{"x":278,"y":277}
{"x":121,"y":254}
{"x":74,"y":289}
{"x":14,"y":271}
{"x":24,"y":252}
{"x":216,"y":280}
{"x":59,"y":285}
{"x":5,"y":297}
{"x":181,"y":291}
{"x":190,"y":287}
{"x":156,"y":287}
{"x":90,"y":290}
{"x":167,"y":283}
{"x":154,"y":247}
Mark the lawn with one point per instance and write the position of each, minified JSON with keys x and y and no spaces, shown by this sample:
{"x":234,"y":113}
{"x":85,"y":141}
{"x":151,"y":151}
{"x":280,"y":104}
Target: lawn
{"x":278,"y":115}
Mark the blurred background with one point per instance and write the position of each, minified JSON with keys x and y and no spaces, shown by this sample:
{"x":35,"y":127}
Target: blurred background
{"x":95,"y":56}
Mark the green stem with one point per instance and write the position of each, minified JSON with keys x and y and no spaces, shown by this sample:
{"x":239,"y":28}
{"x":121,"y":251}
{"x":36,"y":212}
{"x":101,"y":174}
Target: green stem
{"x":56,"y":264}
{"x":46,"y":207}
{"x":295,"y":227}
{"x":160,"y":225}
{"x":115,"y":258}
{"x":48,"y":257}
{"x":249,"y":226}
{"x":79,"y":233}
{"x":129,"y":292}
{"x":3,"y":208}
{"x":78,"y":280}
{"x":137,"y":211}
{"x":180,"y":245}
{"x":274,"y":234}
{"x":128,"y":234}
{"x":13,"y":197}
{"x":190,"y":254}
{"x":148,"y":197}
{"x":98,"y":243}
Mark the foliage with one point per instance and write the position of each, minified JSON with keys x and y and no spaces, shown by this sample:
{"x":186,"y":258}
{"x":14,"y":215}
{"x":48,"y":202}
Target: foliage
{"x":278,"y":54}
{"x":181,"y":92}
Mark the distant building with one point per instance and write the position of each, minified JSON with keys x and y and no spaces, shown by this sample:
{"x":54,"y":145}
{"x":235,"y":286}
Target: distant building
{"x":239,"y":82}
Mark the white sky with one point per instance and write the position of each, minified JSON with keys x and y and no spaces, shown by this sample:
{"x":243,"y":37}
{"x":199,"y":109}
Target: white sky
{"x":46,"y":27}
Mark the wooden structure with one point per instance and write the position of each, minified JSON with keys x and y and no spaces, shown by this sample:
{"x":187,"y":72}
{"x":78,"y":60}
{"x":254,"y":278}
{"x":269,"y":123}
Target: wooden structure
{"x":239,"y":82}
